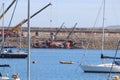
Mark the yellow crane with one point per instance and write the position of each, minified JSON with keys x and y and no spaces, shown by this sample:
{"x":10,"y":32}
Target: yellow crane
{"x":16,"y":28}
{"x":7,"y":9}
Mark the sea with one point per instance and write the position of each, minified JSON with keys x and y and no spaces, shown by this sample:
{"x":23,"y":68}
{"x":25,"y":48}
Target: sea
{"x":47,"y":64}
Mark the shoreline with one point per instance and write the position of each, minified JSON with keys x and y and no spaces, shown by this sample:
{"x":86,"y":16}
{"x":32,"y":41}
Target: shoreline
{"x":80,"y":38}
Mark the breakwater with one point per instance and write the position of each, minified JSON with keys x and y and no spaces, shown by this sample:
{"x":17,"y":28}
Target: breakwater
{"x":82,"y":37}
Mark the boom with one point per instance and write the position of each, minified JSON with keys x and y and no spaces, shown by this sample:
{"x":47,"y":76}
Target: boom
{"x":59,"y":29}
{"x":17,"y":27}
{"x":7,"y":9}
{"x":71,"y":31}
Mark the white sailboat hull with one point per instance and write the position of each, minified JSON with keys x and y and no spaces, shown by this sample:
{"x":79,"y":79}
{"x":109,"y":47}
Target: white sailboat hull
{"x":7,"y":78}
{"x":101,"y":68}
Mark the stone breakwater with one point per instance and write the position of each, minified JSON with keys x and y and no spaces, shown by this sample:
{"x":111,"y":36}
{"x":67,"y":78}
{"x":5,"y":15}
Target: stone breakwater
{"x":82,"y":37}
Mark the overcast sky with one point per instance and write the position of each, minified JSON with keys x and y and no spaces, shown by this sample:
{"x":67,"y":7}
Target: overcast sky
{"x":84,"y":12}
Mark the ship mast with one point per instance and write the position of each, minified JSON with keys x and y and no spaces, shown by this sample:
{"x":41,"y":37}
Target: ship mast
{"x":103,"y":25}
{"x":3,"y":40}
{"x":28,"y":24}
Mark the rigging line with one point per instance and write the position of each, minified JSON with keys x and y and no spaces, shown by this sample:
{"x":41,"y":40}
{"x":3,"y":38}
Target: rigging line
{"x":114,"y":10}
{"x":50,"y":17}
{"x":95,"y":19}
{"x":114,"y":58}
{"x":11,"y":19}
{"x":12,"y":14}
{"x":84,"y":54}
{"x":1,"y":9}
{"x":98,"y":15}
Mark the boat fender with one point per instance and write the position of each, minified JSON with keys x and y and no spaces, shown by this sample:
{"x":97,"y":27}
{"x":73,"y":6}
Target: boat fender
{"x":34,"y":62}
{"x":116,"y":77}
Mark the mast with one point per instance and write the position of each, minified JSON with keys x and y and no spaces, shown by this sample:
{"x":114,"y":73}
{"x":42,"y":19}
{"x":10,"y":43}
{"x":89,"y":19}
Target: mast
{"x":28,"y":69}
{"x":103,"y":25}
{"x":3,"y":41}
{"x":20,"y":38}
{"x":28,"y":24}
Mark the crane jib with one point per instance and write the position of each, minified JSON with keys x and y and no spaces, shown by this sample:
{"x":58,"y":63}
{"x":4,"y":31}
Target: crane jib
{"x":16,"y":28}
{"x":7,"y":9}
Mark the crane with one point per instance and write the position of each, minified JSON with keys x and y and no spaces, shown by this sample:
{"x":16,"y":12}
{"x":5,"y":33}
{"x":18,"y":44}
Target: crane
{"x":16,"y":28}
{"x":71,"y":31}
{"x":59,"y":30}
{"x":7,"y":9}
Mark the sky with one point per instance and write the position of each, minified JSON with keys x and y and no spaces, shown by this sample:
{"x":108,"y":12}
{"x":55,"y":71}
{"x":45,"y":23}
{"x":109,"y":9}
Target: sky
{"x":86,"y":13}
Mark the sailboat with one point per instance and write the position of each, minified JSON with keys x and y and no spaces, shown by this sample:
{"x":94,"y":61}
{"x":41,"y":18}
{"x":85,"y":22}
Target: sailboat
{"x":2,"y":75}
{"x":8,"y":53}
{"x":103,"y":67}
{"x":18,"y":54}
{"x":5,"y":52}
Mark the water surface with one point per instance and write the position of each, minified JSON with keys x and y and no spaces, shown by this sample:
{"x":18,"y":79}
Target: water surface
{"x":47,"y":65}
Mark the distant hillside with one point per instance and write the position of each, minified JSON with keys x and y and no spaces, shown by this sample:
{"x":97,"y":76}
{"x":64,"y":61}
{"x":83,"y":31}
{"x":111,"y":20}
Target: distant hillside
{"x":113,"y":27}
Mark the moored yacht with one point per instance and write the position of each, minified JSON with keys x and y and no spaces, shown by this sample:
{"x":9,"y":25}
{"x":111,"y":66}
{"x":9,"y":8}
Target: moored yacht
{"x":102,"y":68}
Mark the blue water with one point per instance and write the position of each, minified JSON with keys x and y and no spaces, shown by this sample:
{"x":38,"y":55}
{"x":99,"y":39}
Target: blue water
{"x":47,"y":65}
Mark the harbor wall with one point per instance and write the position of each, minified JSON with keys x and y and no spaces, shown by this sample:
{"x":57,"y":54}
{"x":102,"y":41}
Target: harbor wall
{"x":82,"y":37}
